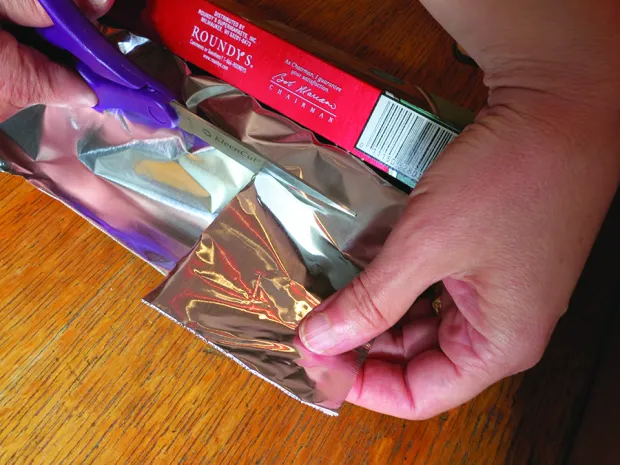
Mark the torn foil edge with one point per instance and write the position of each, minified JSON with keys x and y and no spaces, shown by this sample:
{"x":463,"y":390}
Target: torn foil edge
{"x":220,"y":350}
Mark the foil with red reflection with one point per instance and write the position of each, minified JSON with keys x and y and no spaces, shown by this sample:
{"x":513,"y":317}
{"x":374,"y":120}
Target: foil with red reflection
{"x":250,"y":281}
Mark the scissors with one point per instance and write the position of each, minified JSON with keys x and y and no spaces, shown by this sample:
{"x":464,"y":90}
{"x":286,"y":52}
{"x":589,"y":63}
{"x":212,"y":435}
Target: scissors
{"x":121,"y":85}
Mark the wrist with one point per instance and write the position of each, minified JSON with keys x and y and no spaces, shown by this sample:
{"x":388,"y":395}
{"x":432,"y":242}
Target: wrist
{"x":577,"y":128}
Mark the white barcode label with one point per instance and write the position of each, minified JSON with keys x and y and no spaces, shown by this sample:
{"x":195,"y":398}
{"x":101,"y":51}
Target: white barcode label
{"x":403,"y":139}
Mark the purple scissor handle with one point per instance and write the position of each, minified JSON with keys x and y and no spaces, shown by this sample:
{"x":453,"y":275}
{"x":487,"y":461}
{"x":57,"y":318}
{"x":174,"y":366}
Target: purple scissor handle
{"x":117,"y":82}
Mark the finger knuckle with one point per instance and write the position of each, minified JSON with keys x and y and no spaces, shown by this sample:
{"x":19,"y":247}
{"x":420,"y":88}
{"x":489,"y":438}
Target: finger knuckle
{"x":531,"y":357}
{"x":8,"y":50}
{"x":22,"y":79}
{"x":24,"y":12}
{"x":530,"y":352}
{"x":368,"y":309}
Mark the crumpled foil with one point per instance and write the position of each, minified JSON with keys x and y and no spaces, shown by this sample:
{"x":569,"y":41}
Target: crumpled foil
{"x":248,"y":256}
{"x":255,"y":274}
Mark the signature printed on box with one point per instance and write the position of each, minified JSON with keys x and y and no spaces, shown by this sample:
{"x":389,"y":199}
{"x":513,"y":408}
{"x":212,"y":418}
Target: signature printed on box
{"x":303,"y":95}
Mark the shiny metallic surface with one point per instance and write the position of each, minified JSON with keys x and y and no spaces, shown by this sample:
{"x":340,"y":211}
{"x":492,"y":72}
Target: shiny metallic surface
{"x":256,"y":273}
{"x":248,"y":255}
{"x":247,"y":156}
{"x":144,"y":197}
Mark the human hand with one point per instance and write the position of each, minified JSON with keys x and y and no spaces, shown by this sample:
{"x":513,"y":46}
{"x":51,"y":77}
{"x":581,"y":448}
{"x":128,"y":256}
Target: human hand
{"x":505,"y":218}
{"x":28,"y":77}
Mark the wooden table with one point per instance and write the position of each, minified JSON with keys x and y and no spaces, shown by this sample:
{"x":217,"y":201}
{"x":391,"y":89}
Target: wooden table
{"x":88,"y":374}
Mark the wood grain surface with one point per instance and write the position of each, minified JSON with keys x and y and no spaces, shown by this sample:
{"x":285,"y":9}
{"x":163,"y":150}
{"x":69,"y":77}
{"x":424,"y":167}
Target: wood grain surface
{"x":88,"y":374}
{"x":597,"y":439}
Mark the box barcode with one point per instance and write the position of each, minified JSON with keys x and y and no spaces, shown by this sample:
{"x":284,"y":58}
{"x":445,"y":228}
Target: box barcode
{"x":403,"y":139}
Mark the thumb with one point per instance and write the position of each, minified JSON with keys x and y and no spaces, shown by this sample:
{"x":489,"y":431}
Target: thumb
{"x":28,"y":77}
{"x":31,"y":13}
{"x":378,"y":297}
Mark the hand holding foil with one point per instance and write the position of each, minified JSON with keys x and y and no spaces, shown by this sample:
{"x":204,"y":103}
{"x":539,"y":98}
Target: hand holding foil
{"x":505,"y":218}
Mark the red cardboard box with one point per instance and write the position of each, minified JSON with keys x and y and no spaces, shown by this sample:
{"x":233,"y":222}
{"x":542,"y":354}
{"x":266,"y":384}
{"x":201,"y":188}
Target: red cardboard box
{"x":397,"y":128}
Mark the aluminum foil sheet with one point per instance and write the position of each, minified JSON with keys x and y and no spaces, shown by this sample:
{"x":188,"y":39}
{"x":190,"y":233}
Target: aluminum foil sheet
{"x":247,"y":256}
{"x":252,"y":278}
{"x":153,"y":191}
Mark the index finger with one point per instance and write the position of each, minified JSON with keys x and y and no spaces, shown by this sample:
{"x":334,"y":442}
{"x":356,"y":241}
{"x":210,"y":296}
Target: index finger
{"x":428,"y":385}
{"x":435,"y":380}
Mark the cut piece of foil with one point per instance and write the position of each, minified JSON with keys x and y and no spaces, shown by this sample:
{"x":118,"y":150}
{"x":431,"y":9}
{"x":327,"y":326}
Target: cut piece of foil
{"x":255,"y":274}
{"x":249,"y":256}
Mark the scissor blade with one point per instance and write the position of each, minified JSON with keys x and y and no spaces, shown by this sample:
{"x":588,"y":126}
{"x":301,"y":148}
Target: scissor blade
{"x":247,"y":156}
{"x":218,"y":139}
{"x":283,"y":175}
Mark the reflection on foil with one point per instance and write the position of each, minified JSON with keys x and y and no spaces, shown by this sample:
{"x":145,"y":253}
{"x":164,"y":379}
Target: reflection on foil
{"x":146,"y":188}
{"x":266,"y":256}
{"x":203,"y":181}
{"x":250,"y":281}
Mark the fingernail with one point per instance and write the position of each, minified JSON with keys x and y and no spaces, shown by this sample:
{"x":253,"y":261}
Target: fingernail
{"x":98,"y":2}
{"x":315,"y":333}
{"x":87,"y":100}
{"x":78,"y":102}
